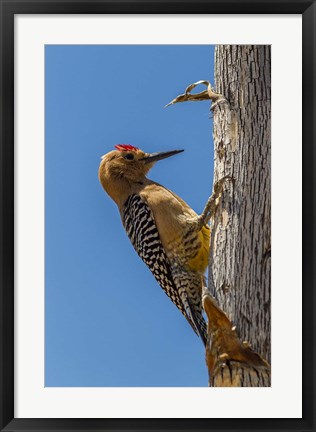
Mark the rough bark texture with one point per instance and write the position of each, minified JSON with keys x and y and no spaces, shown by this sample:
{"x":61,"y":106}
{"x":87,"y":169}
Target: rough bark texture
{"x":240,"y":261}
{"x":236,"y":374}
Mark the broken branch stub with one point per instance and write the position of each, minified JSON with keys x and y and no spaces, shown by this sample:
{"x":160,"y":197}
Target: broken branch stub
{"x":231,"y":363}
{"x":208,"y":94}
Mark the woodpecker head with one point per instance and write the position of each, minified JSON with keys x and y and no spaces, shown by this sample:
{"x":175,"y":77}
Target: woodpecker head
{"x":127,"y":164}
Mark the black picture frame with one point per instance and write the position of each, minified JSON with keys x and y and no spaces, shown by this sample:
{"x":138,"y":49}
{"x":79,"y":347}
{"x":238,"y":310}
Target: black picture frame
{"x":8,"y":9}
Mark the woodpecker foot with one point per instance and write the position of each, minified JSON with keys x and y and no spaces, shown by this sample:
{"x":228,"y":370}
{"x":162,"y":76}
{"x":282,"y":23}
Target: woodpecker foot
{"x":213,"y":201}
{"x":197,"y":223}
{"x":208,"y":94}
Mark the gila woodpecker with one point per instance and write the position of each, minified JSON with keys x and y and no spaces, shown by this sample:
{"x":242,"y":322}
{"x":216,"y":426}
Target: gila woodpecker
{"x":171,"y":239}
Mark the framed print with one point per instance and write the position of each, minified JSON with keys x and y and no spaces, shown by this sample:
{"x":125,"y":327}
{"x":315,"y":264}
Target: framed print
{"x":90,"y":96}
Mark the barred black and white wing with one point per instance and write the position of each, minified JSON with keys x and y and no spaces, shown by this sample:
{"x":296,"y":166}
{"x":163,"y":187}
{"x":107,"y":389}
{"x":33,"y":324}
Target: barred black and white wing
{"x":141,"y":229}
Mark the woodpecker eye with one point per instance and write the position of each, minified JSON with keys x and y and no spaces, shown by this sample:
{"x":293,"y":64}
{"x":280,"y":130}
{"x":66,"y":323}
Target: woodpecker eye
{"x":129,"y":156}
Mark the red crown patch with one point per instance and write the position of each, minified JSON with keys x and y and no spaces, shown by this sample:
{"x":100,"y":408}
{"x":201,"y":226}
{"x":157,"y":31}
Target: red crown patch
{"x":125,"y":147}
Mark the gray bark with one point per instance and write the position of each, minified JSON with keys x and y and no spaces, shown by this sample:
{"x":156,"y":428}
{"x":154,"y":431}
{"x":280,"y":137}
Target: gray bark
{"x":240,"y":261}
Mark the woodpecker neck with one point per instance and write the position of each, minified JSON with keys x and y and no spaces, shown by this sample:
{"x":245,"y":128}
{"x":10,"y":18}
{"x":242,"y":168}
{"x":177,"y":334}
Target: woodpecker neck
{"x":119,"y":187}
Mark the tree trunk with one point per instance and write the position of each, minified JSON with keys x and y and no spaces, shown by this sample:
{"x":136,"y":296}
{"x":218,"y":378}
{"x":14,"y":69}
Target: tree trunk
{"x":240,"y":261}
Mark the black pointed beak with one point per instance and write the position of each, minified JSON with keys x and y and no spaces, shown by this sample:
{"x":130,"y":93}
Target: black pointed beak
{"x":154,"y":157}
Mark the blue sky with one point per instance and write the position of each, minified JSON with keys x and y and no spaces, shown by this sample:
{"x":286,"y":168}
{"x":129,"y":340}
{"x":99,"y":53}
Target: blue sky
{"x":107,"y":321}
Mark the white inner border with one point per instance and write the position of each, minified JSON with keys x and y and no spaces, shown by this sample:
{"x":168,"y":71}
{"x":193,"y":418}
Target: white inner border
{"x":32,"y":32}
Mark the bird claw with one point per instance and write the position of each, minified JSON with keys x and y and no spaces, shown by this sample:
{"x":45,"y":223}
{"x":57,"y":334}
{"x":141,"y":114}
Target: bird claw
{"x":213,"y":200}
{"x":219,"y":184}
